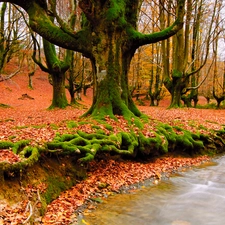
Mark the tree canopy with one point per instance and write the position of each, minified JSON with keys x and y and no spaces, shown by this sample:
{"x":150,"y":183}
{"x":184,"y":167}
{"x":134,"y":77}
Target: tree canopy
{"x":110,"y":14}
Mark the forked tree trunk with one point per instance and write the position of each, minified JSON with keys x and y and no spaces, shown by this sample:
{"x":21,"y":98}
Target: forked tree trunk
{"x":112,"y":96}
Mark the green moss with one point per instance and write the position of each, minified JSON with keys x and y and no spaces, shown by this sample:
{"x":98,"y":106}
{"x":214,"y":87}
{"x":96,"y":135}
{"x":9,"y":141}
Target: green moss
{"x":83,"y":122}
{"x":21,"y":127}
{"x":177,"y":74}
{"x":91,"y":136}
{"x":79,"y":141}
{"x":192,"y":123}
{"x":108,"y":127}
{"x":71,"y":124}
{"x":54,"y":126}
{"x":6,"y":145}
{"x":19,"y":145}
{"x":38,"y":126}
{"x":54,"y":145}
{"x":100,"y":131}
{"x":31,"y":154}
{"x":67,"y":137}
{"x":12,"y":137}
{"x":178,"y":128}
{"x":195,"y":135}
{"x":168,"y":132}
{"x":184,"y":141}
{"x":95,"y":127}
{"x":198,"y":145}
{"x":221,"y":132}
{"x":55,"y":187}
{"x":201,"y":127}
{"x":115,"y":11}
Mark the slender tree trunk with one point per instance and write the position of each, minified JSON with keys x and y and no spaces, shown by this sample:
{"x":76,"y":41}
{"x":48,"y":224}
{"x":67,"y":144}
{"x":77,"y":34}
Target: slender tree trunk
{"x":3,"y":47}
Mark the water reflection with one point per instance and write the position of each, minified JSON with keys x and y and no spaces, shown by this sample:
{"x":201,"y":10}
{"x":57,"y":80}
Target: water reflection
{"x":196,"y":197}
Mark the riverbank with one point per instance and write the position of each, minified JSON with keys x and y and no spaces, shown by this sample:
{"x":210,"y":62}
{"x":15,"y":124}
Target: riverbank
{"x":107,"y":178}
{"x":181,"y":199}
{"x":103,"y":179}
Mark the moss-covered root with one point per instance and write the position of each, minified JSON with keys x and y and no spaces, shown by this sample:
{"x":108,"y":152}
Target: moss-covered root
{"x":27,"y":156}
{"x":88,"y":145}
{"x":16,"y":147}
{"x":167,"y":139}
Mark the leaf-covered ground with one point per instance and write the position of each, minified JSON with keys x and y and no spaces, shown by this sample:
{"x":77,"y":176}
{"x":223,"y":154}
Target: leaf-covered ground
{"x":27,"y":118}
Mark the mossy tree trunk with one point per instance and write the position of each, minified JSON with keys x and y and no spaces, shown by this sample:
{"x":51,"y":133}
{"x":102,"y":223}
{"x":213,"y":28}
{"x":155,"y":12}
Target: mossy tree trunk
{"x":9,"y":35}
{"x":155,"y":82}
{"x":176,"y":89}
{"x":57,"y":70}
{"x":111,"y":95}
{"x":71,"y":79}
{"x":59,"y":99}
{"x":109,"y":37}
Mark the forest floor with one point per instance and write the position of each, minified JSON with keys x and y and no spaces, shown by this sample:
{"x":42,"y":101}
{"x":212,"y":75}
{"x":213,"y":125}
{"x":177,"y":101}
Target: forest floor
{"x":28,"y":118}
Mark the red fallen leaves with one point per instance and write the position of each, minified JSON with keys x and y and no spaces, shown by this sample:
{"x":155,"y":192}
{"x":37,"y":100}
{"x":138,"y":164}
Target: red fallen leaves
{"x":8,"y":156}
{"x":13,"y":215}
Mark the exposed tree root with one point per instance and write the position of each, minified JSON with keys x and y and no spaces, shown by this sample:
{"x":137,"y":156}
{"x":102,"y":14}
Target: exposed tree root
{"x":27,"y":156}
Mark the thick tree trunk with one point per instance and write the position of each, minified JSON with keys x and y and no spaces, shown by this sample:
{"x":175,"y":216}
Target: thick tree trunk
{"x":175,"y":92}
{"x":111,"y":95}
{"x":59,"y":96}
{"x":57,"y":70}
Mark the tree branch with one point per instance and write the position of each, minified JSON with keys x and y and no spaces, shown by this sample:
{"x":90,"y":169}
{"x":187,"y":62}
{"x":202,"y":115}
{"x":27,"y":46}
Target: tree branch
{"x":40,"y":22}
{"x":140,"y":39}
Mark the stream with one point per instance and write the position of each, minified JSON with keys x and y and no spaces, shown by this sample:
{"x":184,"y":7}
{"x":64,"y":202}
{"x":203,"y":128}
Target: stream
{"x":195,"y":197}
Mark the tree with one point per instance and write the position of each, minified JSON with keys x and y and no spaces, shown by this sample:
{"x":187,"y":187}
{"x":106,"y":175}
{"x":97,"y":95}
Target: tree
{"x":109,"y":37}
{"x":11,"y":37}
{"x":78,"y":77}
{"x":56,"y":67}
{"x":146,"y":72}
{"x":181,"y":76}
{"x":218,"y":73}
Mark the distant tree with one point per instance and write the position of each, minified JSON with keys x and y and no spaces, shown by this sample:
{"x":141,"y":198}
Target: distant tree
{"x":218,"y":71}
{"x":11,"y":37}
{"x":77,"y":76}
{"x":148,"y":60}
{"x":187,"y":54}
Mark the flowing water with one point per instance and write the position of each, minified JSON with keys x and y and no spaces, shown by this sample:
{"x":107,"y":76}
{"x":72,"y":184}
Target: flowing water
{"x":195,"y":197}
